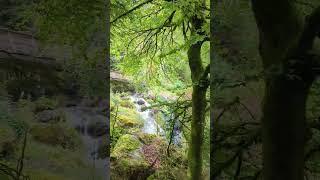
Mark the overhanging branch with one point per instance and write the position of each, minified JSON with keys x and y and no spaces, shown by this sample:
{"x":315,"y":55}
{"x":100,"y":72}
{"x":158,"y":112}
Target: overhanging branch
{"x":131,"y":10}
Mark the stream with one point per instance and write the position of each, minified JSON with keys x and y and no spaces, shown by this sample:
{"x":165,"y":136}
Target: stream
{"x":150,"y":125}
{"x":83,"y":119}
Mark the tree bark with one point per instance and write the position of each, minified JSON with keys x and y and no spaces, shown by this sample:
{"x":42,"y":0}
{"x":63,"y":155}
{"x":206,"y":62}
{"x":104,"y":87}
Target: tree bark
{"x":198,"y":105}
{"x":283,"y":128}
{"x":284,"y":43}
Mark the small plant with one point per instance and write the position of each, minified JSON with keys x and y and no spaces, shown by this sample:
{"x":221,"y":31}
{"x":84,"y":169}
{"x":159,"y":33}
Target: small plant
{"x":44,"y":103}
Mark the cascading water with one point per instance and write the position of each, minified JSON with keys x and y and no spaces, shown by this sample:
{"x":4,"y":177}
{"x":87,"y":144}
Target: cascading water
{"x":80,"y":120}
{"x":150,"y":125}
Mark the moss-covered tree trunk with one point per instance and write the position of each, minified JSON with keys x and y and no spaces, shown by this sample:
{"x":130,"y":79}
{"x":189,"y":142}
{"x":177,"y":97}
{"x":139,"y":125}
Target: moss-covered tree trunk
{"x":198,"y":113}
{"x":284,"y":45}
{"x":198,"y":104}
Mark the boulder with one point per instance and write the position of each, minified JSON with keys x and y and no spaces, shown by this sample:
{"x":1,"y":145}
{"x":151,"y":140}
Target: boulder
{"x":128,"y":160}
{"x":50,"y":116}
{"x":141,"y":102}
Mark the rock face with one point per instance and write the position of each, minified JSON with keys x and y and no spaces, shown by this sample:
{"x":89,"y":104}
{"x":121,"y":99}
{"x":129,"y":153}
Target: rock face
{"x":50,"y":116}
{"x":119,"y":83}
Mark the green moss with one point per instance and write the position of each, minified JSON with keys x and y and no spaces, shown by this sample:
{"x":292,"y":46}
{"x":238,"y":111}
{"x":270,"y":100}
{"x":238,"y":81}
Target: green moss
{"x":44,"y":103}
{"x":126,"y":121}
{"x":127,"y":158}
{"x":54,"y":161}
{"x":4,"y":177}
{"x":112,"y":105}
{"x":128,"y":118}
{"x":56,"y":134}
{"x":126,"y":144}
{"x":127,"y":103}
{"x":7,"y":141}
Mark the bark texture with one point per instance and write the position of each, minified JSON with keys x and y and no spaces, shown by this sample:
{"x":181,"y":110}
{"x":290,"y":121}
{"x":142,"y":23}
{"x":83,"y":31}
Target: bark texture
{"x":198,"y":76}
{"x":284,"y":43}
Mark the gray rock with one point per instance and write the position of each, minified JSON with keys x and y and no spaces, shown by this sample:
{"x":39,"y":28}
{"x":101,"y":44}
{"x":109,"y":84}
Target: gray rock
{"x":49,"y":116}
{"x":140,"y":102}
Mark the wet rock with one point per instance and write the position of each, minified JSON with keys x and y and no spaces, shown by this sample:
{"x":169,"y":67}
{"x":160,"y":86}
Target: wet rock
{"x":50,"y":116}
{"x":141,"y":102}
{"x":97,"y":129}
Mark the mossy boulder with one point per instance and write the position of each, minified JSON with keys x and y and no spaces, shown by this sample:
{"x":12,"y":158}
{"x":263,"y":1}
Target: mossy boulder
{"x":56,"y":135}
{"x":128,"y":160}
{"x":126,"y":145}
{"x":127,"y":103}
{"x":121,"y":86}
{"x":128,"y":118}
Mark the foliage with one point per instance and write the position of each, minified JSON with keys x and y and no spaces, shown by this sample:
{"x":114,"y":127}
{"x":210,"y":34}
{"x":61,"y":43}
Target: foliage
{"x":44,"y":103}
{"x":149,"y":43}
{"x":76,"y":26}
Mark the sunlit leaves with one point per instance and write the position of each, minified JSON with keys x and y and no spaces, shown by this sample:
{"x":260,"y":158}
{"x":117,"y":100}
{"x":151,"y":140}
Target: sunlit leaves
{"x":154,"y":38}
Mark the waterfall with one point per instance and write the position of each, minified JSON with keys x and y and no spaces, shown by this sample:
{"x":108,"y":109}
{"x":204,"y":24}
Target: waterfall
{"x":150,"y":125}
{"x":80,"y":120}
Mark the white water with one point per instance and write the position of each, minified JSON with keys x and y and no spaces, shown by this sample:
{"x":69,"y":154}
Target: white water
{"x":150,"y":125}
{"x":80,"y":119}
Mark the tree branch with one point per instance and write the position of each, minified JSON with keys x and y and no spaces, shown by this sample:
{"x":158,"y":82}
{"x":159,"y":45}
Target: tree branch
{"x":130,"y":11}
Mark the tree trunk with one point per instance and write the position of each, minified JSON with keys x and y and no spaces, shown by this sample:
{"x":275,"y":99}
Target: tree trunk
{"x":197,"y":130}
{"x":284,"y":127}
{"x":198,"y":112}
{"x":284,"y":45}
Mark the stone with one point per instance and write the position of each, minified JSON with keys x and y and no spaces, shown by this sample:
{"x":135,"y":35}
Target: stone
{"x":141,"y":102}
{"x":50,"y":116}
{"x":97,"y":129}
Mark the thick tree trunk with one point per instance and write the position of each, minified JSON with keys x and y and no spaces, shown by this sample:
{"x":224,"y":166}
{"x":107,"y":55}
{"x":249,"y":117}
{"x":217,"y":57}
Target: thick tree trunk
{"x":286,"y":90}
{"x":284,"y":128}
